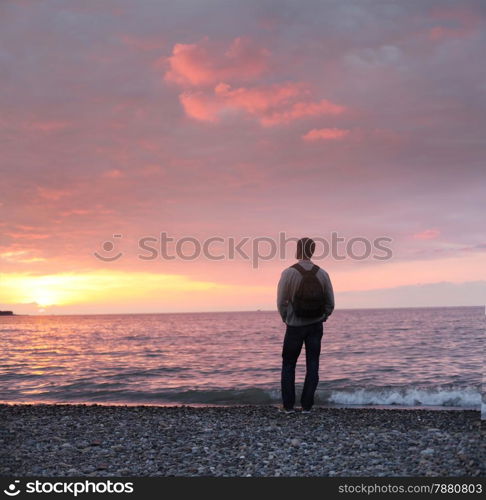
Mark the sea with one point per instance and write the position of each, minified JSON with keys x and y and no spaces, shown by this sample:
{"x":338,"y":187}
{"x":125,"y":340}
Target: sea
{"x":417,"y":357}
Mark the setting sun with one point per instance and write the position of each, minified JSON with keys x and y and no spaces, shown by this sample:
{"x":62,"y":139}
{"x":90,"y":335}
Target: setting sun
{"x":156,"y":291}
{"x":46,"y":297}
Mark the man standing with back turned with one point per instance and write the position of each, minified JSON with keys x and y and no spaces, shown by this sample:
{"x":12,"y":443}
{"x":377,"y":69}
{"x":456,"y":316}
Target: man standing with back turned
{"x":305,"y":300}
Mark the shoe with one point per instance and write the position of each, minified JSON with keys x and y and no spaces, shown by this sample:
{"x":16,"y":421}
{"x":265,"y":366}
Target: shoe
{"x":306,"y":410}
{"x":286,"y":411}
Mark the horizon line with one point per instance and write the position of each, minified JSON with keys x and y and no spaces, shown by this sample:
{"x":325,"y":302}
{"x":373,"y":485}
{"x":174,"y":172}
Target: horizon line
{"x":243,"y":311}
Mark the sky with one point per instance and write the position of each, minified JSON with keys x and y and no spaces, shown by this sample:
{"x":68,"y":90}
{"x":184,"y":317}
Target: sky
{"x":124,"y":120}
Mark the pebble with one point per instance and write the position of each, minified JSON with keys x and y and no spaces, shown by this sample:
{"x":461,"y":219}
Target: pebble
{"x":76,"y":440}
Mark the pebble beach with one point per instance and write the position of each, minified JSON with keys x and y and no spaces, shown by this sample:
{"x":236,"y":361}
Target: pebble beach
{"x":101,"y":441}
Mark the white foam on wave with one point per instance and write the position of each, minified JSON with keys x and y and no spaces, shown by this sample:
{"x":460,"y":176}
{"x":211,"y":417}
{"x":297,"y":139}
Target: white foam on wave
{"x":439,"y":396}
{"x":468,"y":397}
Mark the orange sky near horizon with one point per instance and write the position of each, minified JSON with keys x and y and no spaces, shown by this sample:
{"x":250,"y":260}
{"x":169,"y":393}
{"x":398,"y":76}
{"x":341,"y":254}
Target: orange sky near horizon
{"x":233,"y":120}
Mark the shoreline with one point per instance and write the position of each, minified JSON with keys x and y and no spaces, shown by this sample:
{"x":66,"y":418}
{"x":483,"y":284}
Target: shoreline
{"x":171,"y":404}
{"x":226,"y":441}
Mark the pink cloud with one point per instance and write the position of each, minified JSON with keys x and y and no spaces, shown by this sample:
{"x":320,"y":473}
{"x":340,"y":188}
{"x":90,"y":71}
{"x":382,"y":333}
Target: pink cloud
{"x":149,"y":145}
{"x":201,"y":107}
{"x":48,"y":126}
{"x":29,"y":236}
{"x":317,"y":134}
{"x":271,"y":104}
{"x":258,"y":100}
{"x":52,"y":194}
{"x":114,"y":173}
{"x":441,"y":32}
{"x":428,"y":234}
{"x":208,"y":69}
{"x":20,"y":256}
{"x":206,"y":63}
{"x":152,"y":169}
{"x":302,"y":109}
{"x":68,"y":213}
{"x":454,"y":22}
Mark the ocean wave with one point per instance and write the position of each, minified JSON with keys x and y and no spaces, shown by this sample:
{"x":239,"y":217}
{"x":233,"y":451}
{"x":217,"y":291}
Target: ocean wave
{"x":469,"y":397}
{"x":440,"y":396}
{"x":409,"y":396}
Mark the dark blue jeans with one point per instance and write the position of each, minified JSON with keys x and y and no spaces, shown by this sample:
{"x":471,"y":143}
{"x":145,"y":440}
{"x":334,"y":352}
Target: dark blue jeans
{"x":295,"y":337}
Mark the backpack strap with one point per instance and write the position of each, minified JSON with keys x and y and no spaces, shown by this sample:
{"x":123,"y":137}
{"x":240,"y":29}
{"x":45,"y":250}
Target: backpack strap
{"x":299,"y":268}
{"x":312,"y":270}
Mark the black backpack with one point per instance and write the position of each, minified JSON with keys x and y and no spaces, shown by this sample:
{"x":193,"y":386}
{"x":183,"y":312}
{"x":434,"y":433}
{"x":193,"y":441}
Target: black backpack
{"x":309,"y":300}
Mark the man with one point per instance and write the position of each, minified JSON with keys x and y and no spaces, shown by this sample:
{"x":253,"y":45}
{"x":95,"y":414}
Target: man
{"x":305,"y":300}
